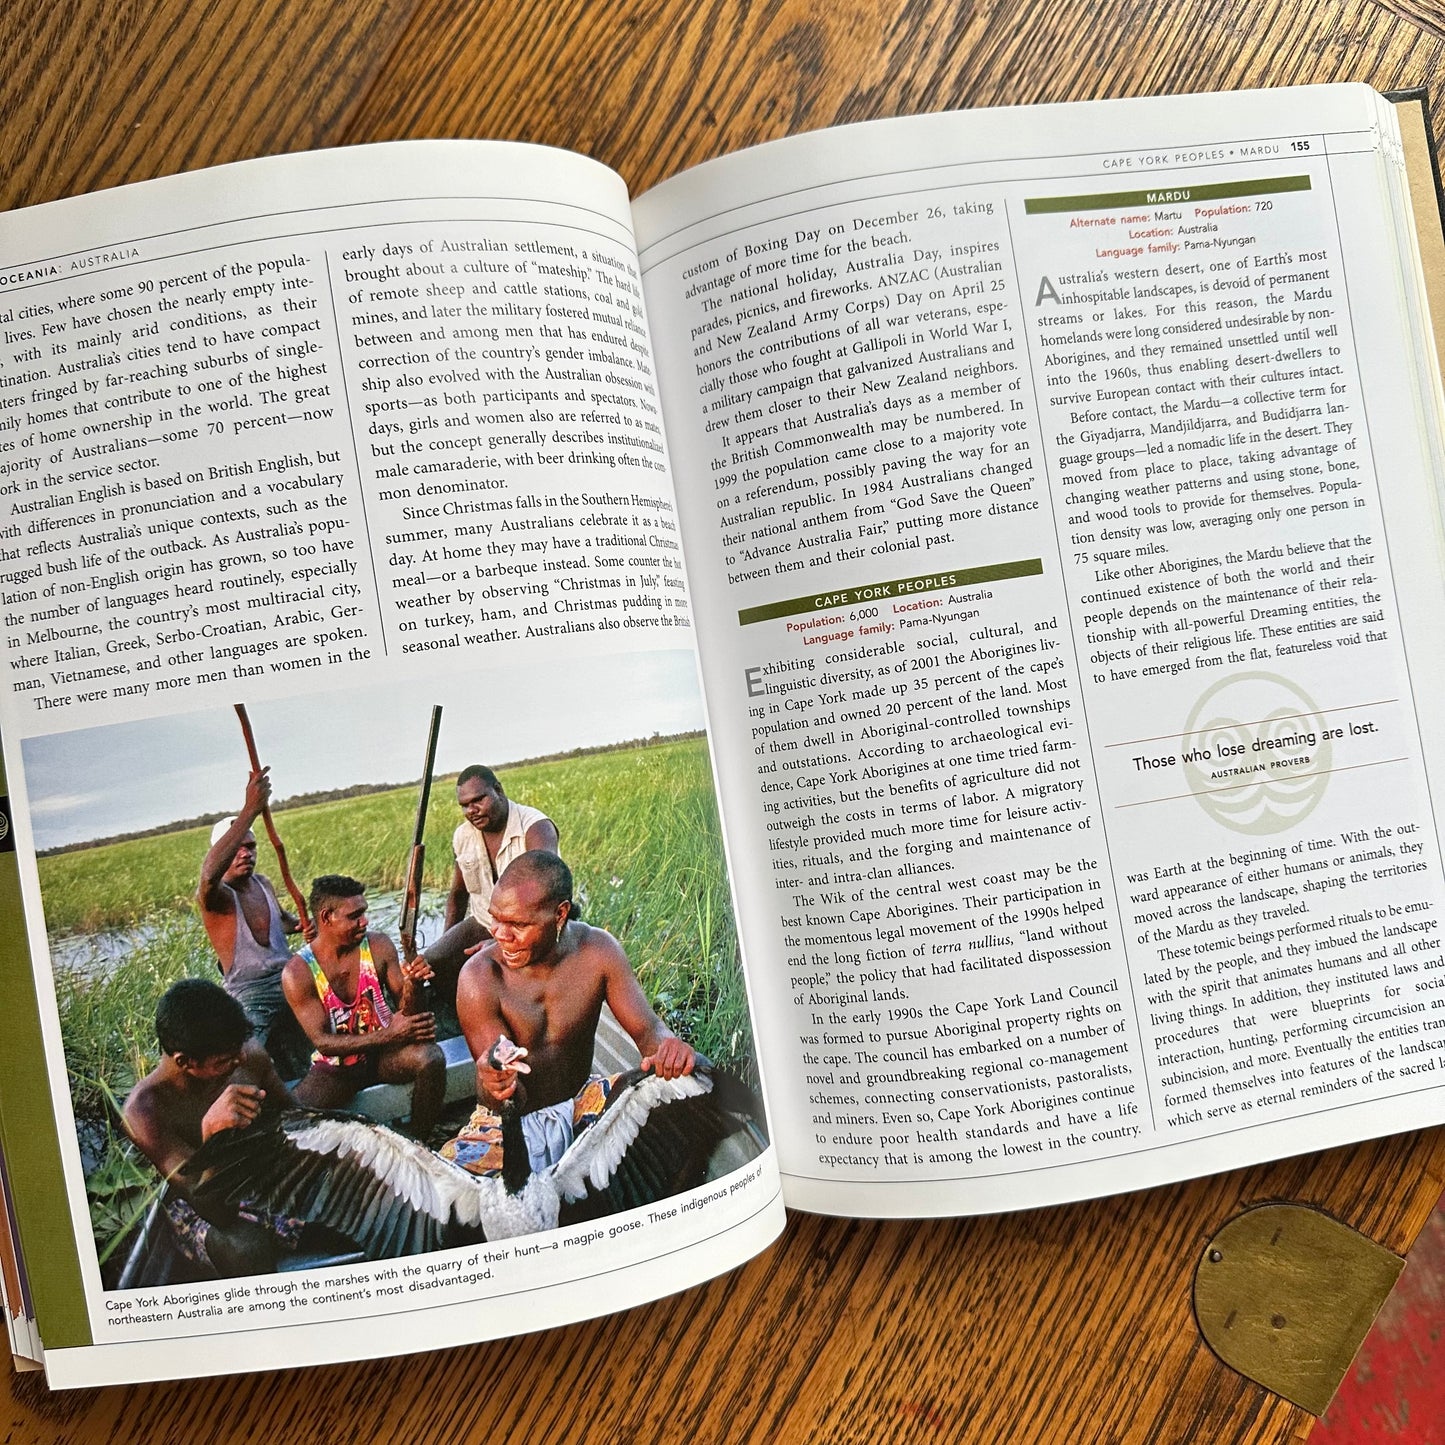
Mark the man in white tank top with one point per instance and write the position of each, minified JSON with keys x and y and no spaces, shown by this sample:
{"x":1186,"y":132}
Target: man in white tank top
{"x":248,"y":927}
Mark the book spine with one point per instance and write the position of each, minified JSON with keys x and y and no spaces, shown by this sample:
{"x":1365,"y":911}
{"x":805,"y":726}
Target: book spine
{"x":51,"y":1289}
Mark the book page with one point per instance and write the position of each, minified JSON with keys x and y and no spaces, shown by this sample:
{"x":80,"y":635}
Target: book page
{"x":340,"y":438}
{"x":1058,"y":495}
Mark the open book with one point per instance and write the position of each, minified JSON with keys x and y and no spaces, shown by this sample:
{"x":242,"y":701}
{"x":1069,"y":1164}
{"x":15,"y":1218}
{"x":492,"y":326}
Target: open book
{"x":1031,"y":519}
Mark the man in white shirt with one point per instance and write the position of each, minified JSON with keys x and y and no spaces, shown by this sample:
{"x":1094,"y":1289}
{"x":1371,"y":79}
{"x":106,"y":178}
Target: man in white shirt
{"x":493,"y":832}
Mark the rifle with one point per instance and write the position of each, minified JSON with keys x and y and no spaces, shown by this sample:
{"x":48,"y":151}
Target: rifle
{"x":296,"y":895}
{"x":407,"y":926}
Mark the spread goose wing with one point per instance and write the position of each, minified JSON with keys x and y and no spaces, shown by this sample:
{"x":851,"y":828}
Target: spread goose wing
{"x":385,"y":1192}
{"x":392,"y":1196}
{"x":654,"y":1139}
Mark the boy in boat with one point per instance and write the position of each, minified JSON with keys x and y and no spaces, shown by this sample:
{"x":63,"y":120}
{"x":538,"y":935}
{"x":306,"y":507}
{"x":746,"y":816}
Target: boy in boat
{"x":212,"y":1076}
{"x":362,"y":1009}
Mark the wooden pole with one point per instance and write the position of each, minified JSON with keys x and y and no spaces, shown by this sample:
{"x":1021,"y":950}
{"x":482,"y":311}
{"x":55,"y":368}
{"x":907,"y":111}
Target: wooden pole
{"x":296,"y":895}
{"x":416,"y":860}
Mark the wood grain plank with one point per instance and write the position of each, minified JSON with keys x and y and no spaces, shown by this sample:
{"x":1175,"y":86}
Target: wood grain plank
{"x":1427,"y":15}
{"x":95,"y":95}
{"x":650,"y":88}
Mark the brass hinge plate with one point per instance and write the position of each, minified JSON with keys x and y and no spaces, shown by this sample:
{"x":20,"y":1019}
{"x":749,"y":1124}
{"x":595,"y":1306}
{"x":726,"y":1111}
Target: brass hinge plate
{"x":1285,"y":1295}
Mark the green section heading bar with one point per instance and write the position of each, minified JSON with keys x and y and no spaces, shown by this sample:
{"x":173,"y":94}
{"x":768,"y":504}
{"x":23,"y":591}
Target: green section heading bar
{"x":31,"y":1140}
{"x":892,"y":591}
{"x":1165,"y":195}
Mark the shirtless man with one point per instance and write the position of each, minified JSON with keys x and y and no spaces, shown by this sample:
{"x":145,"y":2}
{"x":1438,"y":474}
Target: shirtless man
{"x":541,"y":982}
{"x":494,"y":831}
{"x":361,"y":1008}
{"x":212,"y":1076}
{"x":248,"y":927}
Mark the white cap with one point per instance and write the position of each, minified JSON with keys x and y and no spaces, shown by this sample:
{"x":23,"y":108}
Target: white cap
{"x":221,"y":829}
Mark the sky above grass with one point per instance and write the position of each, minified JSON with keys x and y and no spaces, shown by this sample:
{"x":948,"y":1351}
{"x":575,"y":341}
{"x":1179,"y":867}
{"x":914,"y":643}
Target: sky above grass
{"x":98,"y":782}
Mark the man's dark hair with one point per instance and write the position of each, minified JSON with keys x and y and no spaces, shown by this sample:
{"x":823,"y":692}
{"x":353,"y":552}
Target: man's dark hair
{"x":334,"y":888}
{"x":548,"y":870}
{"x":200,"y":1019}
{"x":487,"y":776}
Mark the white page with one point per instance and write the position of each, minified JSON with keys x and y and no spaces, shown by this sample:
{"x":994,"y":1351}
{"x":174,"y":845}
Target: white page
{"x":339,"y":435}
{"x":954,"y":433}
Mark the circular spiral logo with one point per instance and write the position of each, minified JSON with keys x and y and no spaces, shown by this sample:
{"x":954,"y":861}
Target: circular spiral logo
{"x":1255,"y":753}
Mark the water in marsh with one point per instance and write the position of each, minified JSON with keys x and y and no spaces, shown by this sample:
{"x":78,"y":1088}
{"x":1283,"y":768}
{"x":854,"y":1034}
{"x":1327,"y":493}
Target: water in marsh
{"x":99,"y":952}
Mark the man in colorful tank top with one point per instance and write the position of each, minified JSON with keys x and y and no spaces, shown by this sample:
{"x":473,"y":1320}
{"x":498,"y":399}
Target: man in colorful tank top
{"x":360,"y":1007}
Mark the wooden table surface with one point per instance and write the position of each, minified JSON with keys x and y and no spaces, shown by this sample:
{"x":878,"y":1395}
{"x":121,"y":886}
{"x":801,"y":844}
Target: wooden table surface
{"x":1070,"y":1324}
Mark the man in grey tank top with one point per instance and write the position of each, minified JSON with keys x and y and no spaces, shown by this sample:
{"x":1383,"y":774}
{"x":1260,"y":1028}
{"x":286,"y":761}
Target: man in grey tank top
{"x":248,"y":927}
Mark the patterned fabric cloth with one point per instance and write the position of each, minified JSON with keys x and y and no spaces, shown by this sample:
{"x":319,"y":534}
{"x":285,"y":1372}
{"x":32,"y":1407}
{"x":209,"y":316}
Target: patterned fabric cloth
{"x":367,"y":1013}
{"x":191,"y":1231}
{"x":478,"y":1148}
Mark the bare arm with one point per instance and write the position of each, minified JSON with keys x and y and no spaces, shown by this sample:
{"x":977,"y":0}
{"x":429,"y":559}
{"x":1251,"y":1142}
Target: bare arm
{"x":661,"y":1049}
{"x":222,"y":852}
{"x":456,"y":901}
{"x":542,"y":837}
{"x":401,"y":979}
{"x":258,"y":1064}
{"x":152,"y":1128}
{"x":152,"y":1134}
{"x":480,"y":1015}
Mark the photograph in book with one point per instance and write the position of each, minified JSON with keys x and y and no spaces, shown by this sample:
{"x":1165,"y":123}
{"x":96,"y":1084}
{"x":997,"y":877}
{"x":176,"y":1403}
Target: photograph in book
{"x":574,"y":923}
